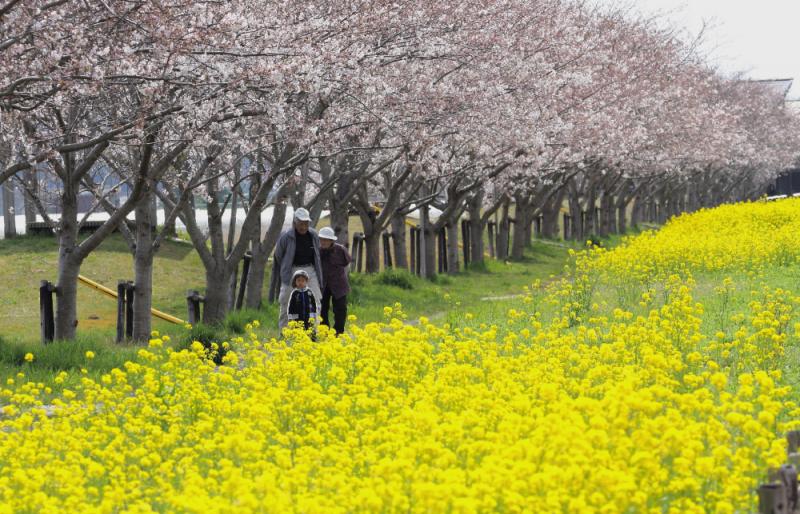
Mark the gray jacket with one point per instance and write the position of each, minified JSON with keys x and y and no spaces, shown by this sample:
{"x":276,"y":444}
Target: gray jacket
{"x":284,"y":255}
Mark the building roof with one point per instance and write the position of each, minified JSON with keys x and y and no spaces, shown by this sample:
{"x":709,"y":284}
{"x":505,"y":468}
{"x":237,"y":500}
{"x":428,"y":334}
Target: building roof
{"x":780,"y":86}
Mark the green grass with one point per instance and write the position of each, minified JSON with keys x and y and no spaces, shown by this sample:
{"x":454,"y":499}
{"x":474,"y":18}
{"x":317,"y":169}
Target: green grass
{"x":61,"y":356}
{"x":27,"y":260}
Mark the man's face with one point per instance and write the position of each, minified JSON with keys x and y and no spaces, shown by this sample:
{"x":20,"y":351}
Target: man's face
{"x":325,"y":243}
{"x":301,"y":226}
{"x":300,"y":282}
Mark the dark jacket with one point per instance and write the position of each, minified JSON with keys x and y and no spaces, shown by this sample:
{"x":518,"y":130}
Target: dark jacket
{"x":303,"y":307}
{"x":284,"y":255}
{"x":334,"y":269}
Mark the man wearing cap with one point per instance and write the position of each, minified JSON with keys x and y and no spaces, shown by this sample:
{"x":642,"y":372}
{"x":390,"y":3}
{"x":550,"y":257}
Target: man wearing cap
{"x":335,"y":259}
{"x":297,"y":249}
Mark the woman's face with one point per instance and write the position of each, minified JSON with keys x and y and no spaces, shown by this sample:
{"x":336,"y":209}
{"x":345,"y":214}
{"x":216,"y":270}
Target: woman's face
{"x":325,"y":243}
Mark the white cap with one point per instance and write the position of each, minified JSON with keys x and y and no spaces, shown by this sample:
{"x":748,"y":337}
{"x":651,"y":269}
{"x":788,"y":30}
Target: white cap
{"x":301,"y":215}
{"x":327,"y":233}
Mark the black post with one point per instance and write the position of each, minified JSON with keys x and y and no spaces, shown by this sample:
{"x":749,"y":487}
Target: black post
{"x":538,"y":225}
{"x":445,"y":266}
{"x":360,"y":250}
{"x":243,"y":284}
{"x":793,"y":441}
{"x":582,"y":235}
{"x":354,"y":253}
{"x":491,"y":226}
{"x":465,"y":242}
{"x":771,"y":498}
{"x":47,"y":322}
{"x":597,"y":221}
{"x":418,"y":250}
{"x":193,"y":306}
{"x":440,"y":251}
{"x":129,"y":288}
{"x":787,"y":475}
{"x":387,"y":251}
{"x":120,"y":311}
{"x":511,"y":221}
{"x":566,"y":226}
{"x":413,"y":242}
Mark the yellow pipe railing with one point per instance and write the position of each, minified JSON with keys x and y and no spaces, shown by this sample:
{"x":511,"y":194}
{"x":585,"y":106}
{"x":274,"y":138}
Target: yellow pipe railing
{"x":113,"y":294}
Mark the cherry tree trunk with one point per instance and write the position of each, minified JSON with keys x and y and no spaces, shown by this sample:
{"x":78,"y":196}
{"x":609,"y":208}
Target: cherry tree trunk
{"x":622,"y":222}
{"x":529,"y":229}
{"x":9,"y":214}
{"x":427,"y":243}
{"x":523,"y":214}
{"x":607,"y":216}
{"x":476,"y":227}
{"x":452,"y":230}
{"x":429,"y":251}
{"x":550,"y":214}
{"x":143,"y":269}
{"x":576,"y":218}
{"x":399,"y":241}
{"x":340,"y":219}
{"x":262,"y":248}
{"x":372,"y":250}
{"x":637,"y":213}
{"x":589,"y":223}
{"x":69,"y":266}
{"x":503,"y":233}
{"x":33,"y":185}
{"x":216,"y":305}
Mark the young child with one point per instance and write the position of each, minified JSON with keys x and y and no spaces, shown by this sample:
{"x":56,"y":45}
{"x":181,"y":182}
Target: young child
{"x":302,"y":304}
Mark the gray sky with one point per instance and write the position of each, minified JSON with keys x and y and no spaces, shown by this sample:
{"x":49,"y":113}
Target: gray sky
{"x":758,"y":37}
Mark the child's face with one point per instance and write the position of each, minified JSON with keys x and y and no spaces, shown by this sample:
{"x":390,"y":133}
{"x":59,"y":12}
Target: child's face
{"x":300,"y":282}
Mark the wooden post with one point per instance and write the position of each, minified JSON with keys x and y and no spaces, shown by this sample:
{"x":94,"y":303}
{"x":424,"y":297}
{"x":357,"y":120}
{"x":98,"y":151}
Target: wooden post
{"x":511,"y":221}
{"x":793,"y":441}
{"x":120,"y":311}
{"x":412,"y":248}
{"x":596,"y":223}
{"x":418,"y":250}
{"x":490,"y":227}
{"x":356,"y":264}
{"x":243,"y":284}
{"x":387,"y":250}
{"x":582,"y":235}
{"x":465,"y":242}
{"x":441,"y":250}
{"x":445,"y":265}
{"x":771,"y":499}
{"x":193,"y":304}
{"x":47,"y":319}
{"x":786,"y":476}
{"x":356,"y":252}
{"x":567,"y":228}
{"x":360,"y":250}
{"x":129,"y":288}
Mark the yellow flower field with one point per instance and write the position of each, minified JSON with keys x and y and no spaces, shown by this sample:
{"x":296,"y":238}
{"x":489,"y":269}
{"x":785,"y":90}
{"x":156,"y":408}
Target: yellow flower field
{"x":743,"y":237}
{"x":585,"y":410}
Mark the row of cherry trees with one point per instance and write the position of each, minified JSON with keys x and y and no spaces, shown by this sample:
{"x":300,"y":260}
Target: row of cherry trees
{"x":470,"y":106}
